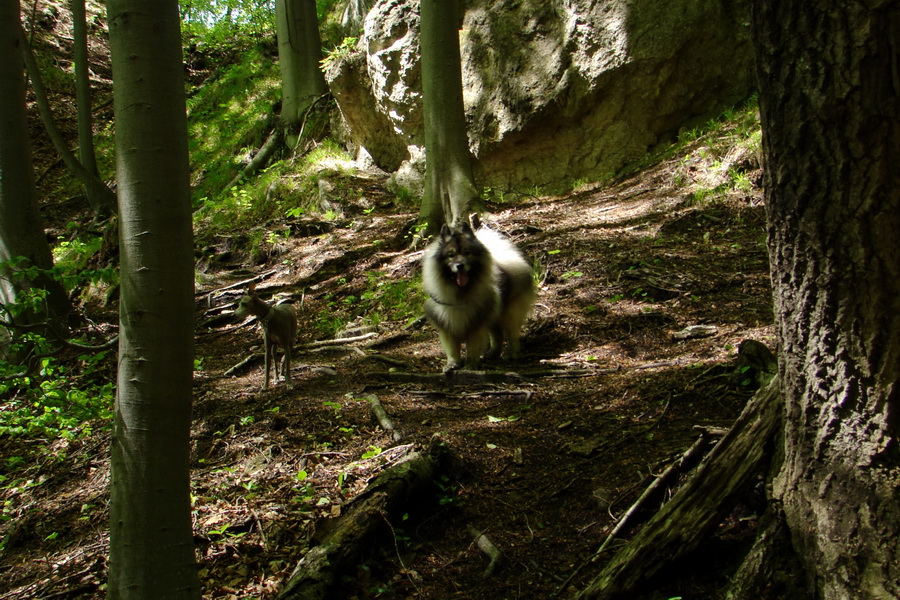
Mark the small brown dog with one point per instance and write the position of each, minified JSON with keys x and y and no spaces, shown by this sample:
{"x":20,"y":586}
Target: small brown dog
{"x":279,"y":325}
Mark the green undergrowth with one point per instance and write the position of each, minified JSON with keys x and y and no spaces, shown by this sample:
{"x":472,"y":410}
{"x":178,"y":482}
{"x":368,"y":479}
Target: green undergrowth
{"x":715,"y":139}
{"x":381,"y":298}
{"x":50,"y":393}
{"x":287,"y":189}
{"x":229,"y":118}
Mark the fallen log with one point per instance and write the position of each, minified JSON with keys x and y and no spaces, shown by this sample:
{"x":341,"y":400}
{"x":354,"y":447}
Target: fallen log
{"x":699,"y":505}
{"x":344,"y":539}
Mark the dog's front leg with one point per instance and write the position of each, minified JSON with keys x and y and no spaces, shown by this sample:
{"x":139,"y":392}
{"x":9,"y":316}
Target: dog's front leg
{"x":268,"y":350}
{"x":451,"y":347}
{"x":286,"y":365}
{"x":476,"y":345}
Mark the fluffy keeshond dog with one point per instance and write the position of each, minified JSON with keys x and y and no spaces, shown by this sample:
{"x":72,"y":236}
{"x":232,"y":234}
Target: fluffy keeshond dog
{"x":480,"y":291}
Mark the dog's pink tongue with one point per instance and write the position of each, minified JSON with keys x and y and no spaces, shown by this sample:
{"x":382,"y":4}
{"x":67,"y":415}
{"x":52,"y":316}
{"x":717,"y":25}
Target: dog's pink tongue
{"x":462,"y":279}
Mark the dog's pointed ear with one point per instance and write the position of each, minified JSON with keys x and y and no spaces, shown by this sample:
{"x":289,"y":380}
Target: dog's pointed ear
{"x":445,"y":232}
{"x":251,"y":288}
{"x":475,"y":221}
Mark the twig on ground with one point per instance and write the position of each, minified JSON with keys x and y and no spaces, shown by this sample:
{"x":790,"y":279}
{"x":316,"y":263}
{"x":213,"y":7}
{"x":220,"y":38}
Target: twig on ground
{"x":337,"y":341}
{"x":687,"y":460}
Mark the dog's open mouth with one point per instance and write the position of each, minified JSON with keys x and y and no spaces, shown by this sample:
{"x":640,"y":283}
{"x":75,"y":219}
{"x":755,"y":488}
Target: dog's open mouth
{"x":462,"y":279}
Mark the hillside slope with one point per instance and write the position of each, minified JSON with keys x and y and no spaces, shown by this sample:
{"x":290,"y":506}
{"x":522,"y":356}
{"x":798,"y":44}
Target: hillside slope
{"x":607,"y":396}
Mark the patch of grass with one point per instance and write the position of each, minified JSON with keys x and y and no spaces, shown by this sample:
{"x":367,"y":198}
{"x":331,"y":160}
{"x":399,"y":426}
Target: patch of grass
{"x":286,"y":189}
{"x":229,"y":118}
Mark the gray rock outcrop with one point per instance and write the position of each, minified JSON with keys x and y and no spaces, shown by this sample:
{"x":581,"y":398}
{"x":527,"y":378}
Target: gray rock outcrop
{"x":554,"y":91}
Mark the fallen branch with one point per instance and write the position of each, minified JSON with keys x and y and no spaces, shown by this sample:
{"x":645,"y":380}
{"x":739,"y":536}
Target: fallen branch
{"x":452,"y":377}
{"x":485,"y":544}
{"x":337,"y":341}
{"x":699,"y":505}
{"x":273,"y":143}
{"x":345,"y":538}
{"x":379,"y":414}
{"x":394,"y":362}
{"x":246,"y":362}
{"x":238,"y":284}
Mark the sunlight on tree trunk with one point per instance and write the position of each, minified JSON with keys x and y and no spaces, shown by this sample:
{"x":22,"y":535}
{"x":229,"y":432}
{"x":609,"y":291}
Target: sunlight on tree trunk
{"x":299,"y":57}
{"x":151,"y":543}
{"x":450,"y":191}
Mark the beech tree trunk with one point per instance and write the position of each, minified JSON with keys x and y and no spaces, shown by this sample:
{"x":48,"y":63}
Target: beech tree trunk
{"x":299,"y":56}
{"x":450,"y":191}
{"x":83,"y":91}
{"x":151,"y":542}
{"x":21,"y":229}
{"x":829,"y":79}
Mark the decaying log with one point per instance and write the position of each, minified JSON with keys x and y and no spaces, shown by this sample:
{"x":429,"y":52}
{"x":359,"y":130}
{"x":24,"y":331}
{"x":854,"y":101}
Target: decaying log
{"x":688,"y":459}
{"x":699,"y":505}
{"x":771,"y":568}
{"x":345,"y":538}
{"x":686,"y":462}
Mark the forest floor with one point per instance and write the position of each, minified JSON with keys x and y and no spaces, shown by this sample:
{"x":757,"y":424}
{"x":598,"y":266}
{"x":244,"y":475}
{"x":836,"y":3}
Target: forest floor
{"x":607,"y":396}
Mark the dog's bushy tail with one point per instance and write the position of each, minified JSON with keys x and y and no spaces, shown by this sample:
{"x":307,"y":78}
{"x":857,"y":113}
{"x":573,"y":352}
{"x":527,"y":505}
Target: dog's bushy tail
{"x":505,"y":254}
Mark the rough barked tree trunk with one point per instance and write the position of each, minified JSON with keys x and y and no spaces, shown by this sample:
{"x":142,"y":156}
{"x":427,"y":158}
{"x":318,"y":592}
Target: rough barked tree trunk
{"x":829,"y":84}
{"x":299,"y":55}
{"x":21,"y":229}
{"x":450,"y":191}
{"x":151,"y":543}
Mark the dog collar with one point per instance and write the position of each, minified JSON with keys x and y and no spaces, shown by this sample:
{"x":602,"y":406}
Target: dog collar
{"x":436,"y":301}
{"x":265,"y":320}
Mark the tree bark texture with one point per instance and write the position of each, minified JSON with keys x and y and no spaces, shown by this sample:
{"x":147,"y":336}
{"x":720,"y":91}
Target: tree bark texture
{"x":829,"y":82}
{"x":450,"y":190}
{"x":151,"y":543}
{"x":299,"y":56}
{"x":21,"y":229}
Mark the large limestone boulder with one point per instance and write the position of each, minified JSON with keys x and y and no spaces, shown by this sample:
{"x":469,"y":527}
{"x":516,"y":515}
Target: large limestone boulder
{"x":554,"y":91}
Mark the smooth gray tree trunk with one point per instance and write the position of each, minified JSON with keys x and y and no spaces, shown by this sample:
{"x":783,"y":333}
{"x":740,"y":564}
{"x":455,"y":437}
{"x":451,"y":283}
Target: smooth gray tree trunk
{"x":450,"y":192}
{"x":83,"y":90}
{"x":829,"y":86}
{"x":100,"y":197}
{"x":21,"y":229}
{"x":151,"y":543}
{"x":299,"y":58}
